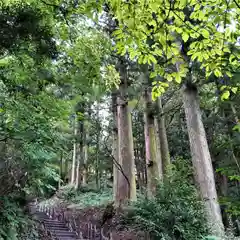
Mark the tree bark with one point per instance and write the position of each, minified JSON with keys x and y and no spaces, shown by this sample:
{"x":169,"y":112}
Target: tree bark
{"x":138,"y":168}
{"x":77,"y":180}
{"x":80,"y":143}
{"x":74,"y":153}
{"x":133,"y":192}
{"x":85,"y":150}
{"x":80,"y":157}
{"x":97,"y":170}
{"x":60,"y":171}
{"x":201,"y":159}
{"x":85,"y":156}
{"x":162,"y":135}
{"x":234,"y":111}
{"x":66,"y":176}
{"x":126,"y":186}
{"x":115,"y":152}
{"x":153,"y":162}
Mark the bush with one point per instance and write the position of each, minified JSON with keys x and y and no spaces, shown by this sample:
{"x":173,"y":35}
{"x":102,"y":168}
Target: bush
{"x":228,"y":236}
{"x":14,"y":223}
{"x":175,"y":212}
{"x":84,"y":196}
{"x":68,"y":192}
{"x":93,"y":198}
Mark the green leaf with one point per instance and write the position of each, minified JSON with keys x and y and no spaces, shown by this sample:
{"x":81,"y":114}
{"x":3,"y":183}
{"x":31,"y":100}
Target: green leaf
{"x":178,"y":30}
{"x":185,"y":36}
{"x":169,"y":77}
{"x":152,"y":59}
{"x":229,"y":74}
{"x":140,"y":59}
{"x":234,"y":89}
{"x":218,"y":52}
{"x":205,"y":33}
{"x":132,"y":54}
{"x":201,"y":15}
{"x":237,"y":127}
{"x":217,"y":73}
{"x":153,"y":74}
{"x":117,"y":32}
{"x":145,"y":59}
{"x":222,"y":87}
{"x":178,"y":78}
{"x":225,"y":95}
{"x":195,"y":55}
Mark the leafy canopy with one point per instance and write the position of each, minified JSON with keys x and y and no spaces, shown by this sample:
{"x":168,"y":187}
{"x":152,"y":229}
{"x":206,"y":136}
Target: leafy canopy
{"x":172,"y":35}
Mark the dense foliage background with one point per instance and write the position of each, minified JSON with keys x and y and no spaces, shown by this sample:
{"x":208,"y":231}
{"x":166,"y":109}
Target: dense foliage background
{"x":62,"y":64}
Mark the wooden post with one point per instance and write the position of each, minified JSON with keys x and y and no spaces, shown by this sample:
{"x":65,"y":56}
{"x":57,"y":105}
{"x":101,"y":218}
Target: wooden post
{"x":88,"y":230}
{"x":54,"y":215}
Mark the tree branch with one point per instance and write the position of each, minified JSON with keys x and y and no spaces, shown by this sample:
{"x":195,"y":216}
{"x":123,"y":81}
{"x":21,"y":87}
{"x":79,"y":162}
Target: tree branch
{"x":119,"y":167}
{"x":49,"y":4}
{"x":238,"y":5}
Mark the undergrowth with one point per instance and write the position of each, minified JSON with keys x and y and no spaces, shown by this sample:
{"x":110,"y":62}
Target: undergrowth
{"x":176,"y":211}
{"x":14,"y":222}
{"x":85,"y":197}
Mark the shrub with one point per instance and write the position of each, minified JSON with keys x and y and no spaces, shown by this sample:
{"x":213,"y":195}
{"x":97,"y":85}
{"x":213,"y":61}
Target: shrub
{"x":93,"y":198}
{"x":14,"y":223}
{"x":228,"y":236}
{"x":174,"y":213}
{"x":69,"y":192}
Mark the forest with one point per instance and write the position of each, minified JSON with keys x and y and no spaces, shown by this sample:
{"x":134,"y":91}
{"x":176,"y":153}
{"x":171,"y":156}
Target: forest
{"x":121,"y":115}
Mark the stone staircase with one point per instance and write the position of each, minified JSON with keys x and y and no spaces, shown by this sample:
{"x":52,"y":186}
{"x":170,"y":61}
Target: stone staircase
{"x":55,"y":228}
{"x":62,"y":227}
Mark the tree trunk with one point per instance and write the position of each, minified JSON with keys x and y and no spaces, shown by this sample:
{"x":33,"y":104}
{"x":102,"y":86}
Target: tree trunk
{"x":115,"y":152}
{"x":138,"y":163}
{"x":74,"y":153}
{"x":133,"y":192}
{"x":85,"y":150}
{"x":224,"y":192}
{"x":201,"y":159}
{"x":66,"y":170}
{"x":80,"y":157}
{"x":60,"y":171}
{"x":234,"y":111}
{"x":143,"y":159}
{"x":97,"y":170}
{"x":162,"y":135}
{"x":80,"y":144}
{"x":153,"y":162}
{"x":126,"y":186}
{"x":77,"y":180}
{"x":85,"y":167}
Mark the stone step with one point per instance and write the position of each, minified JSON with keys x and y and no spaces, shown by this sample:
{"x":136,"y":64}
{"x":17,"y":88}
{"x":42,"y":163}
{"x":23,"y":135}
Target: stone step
{"x":54,"y":223}
{"x":42,"y":215}
{"x":68,"y":238}
{"x":57,"y":228}
{"x":64,"y":233}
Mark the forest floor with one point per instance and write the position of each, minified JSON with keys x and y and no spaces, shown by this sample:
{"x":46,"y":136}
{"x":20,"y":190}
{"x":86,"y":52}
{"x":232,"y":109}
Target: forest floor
{"x":93,"y":214}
